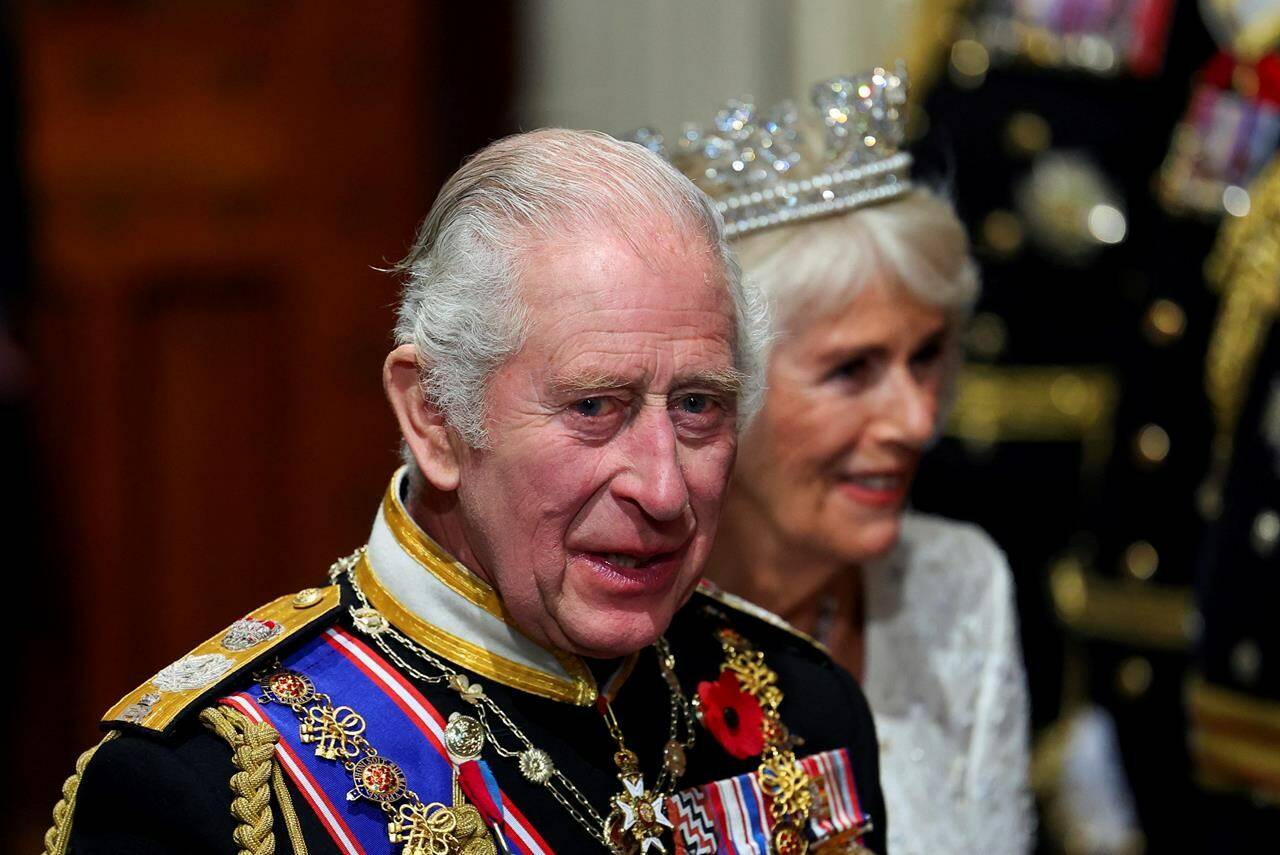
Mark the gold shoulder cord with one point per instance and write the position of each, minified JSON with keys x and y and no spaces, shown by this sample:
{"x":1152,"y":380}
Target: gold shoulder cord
{"x":780,"y":773}
{"x":58,"y":837}
{"x":253,"y":752}
{"x":253,"y":747}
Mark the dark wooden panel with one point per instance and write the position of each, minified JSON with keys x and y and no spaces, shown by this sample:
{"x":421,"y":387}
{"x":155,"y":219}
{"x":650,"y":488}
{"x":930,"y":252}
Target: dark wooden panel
{"x":209,"y":397}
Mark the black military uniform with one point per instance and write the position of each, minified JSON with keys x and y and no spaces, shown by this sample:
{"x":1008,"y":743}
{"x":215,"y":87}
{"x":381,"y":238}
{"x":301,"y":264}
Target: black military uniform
{"x":1234,"y":699}
{"x":166,"y":782}
{"x":1082,"y":432}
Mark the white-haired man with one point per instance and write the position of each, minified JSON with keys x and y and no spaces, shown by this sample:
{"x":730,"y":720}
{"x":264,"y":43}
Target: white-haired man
{"x":520,"y":659}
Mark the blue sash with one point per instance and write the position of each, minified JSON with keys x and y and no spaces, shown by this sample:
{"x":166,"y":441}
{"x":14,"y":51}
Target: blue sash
{"x":401,"y":724}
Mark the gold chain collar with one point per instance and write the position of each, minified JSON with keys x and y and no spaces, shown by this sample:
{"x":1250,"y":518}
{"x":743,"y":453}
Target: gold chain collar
{"x":637,"y":815}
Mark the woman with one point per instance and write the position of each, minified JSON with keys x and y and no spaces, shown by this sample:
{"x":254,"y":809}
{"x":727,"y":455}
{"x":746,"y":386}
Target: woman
{"x":870,"y":283}
{"x":867,"y":307}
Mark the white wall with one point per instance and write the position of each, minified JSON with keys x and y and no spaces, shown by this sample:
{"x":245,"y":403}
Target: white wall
{"x":615,"y":65}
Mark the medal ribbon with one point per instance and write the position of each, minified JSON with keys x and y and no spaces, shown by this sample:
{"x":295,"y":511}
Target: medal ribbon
{"x":403,"y":726}
{"x":731,"y":816}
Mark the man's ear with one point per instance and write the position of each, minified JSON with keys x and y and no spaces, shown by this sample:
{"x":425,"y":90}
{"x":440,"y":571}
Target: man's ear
{"x":423,"y":426}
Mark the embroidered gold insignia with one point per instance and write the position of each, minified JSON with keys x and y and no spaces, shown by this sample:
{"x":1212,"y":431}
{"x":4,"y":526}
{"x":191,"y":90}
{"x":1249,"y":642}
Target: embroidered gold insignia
{"x":139,"y":710}
{"x":249,"y":632}
{"x":192,"y":672}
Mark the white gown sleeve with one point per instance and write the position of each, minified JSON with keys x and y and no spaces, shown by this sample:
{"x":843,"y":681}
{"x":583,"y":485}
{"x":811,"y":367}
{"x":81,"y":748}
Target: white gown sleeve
{"x":997,"y":773}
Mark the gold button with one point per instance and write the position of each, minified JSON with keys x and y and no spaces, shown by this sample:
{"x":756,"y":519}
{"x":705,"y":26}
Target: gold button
{"x":1141,"y":560}
{"x":1246,"y":661}
{"x":1151,"y":445}
{"x":306,"y":598}
{"x":987,"y":336}
{"x":1133,"y":677}
{"x":1164,"y":323}
{"x":1070,"y":394}
{"x":1070,"y":592}
{"x":1043,"y":48}
{"x":1027,"y":133}
{"x":1266,"y":532}
{"x":969,"y":63}
{"x":1209,"y":501}
{"x":1002,"y":232}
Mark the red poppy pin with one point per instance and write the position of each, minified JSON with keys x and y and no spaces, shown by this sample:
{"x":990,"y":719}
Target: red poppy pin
{"x":732,"y":716}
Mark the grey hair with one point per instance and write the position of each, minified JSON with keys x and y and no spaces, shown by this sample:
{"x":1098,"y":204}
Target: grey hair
{"x":460,"y":306}
{"x":916,"y":241}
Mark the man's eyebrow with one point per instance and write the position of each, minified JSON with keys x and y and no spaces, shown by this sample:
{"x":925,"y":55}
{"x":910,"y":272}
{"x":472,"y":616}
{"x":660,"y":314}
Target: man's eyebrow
{"x":585,"y":382}
{"x":725,"y":381}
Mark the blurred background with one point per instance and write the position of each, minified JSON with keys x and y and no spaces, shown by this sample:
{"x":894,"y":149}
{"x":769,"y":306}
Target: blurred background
{"x":192,"y":326}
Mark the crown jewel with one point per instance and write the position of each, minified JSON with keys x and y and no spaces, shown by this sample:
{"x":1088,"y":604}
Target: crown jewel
{"x":763,"y":170}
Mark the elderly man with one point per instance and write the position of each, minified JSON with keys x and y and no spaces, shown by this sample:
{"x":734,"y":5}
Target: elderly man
{"x":521,"y":658}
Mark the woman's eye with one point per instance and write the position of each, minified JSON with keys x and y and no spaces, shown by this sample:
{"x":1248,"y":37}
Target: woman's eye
{"x":928,"y":354}
{"x":851,"y":369}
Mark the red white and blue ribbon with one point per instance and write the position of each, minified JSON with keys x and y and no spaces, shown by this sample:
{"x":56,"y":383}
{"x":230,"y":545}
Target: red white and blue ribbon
{"x":403,"y":726}
{"x":731,"y":816}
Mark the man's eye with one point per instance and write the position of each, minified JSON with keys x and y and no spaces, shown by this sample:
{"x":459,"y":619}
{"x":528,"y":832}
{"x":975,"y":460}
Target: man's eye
{"x":594,"y":407}
{"x":695,"y":404}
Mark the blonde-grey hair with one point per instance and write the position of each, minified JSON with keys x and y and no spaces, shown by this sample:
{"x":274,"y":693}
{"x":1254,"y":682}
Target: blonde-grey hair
{"x":461,"y":307}
{"x":819,"y":266}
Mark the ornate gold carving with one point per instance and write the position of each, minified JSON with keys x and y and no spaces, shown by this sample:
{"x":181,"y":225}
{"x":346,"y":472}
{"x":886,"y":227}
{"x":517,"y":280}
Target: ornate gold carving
{"x":1141,"y":614}
{"x":1036,"y":404}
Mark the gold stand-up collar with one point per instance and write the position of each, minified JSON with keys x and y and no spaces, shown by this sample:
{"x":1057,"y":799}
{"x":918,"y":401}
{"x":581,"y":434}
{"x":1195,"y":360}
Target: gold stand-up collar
{"x":467,"y":622}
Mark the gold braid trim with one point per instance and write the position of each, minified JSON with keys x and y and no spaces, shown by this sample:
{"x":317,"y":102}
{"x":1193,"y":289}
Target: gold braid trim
{"x":253,"y":752}
{"x":58,"y":837}
{"x":1245,"y":267}
{"x":290,"y":815}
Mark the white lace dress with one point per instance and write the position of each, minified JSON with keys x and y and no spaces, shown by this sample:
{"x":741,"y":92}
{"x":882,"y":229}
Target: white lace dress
{"x":946,"y":684}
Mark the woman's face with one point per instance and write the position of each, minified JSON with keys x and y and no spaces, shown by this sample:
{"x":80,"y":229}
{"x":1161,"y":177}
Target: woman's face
{"x":853,"y":400}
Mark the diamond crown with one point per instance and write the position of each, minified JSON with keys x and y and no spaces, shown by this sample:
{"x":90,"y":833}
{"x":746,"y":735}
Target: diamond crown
{"x":763,"y":170}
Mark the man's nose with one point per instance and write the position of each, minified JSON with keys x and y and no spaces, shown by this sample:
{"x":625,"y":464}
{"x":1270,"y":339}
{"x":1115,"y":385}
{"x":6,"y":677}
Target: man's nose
{"x":653,"y":478}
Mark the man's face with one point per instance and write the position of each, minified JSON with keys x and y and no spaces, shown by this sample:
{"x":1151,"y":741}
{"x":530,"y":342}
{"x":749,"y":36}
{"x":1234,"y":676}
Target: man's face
{"x":611,"y":437}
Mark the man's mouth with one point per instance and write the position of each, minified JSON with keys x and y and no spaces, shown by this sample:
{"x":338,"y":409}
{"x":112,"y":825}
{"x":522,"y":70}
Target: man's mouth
{"x":635,"y":572}
{"x":631,"y":562}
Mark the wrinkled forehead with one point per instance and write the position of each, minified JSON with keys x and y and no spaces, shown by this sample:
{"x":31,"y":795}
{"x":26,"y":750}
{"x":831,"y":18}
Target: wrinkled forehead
{"x":652,"y":265}
{"x":598,"y":298}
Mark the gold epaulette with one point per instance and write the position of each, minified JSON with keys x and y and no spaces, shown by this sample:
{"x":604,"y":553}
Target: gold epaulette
{"x":186,"y":684}
{"x":746,"y":607}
